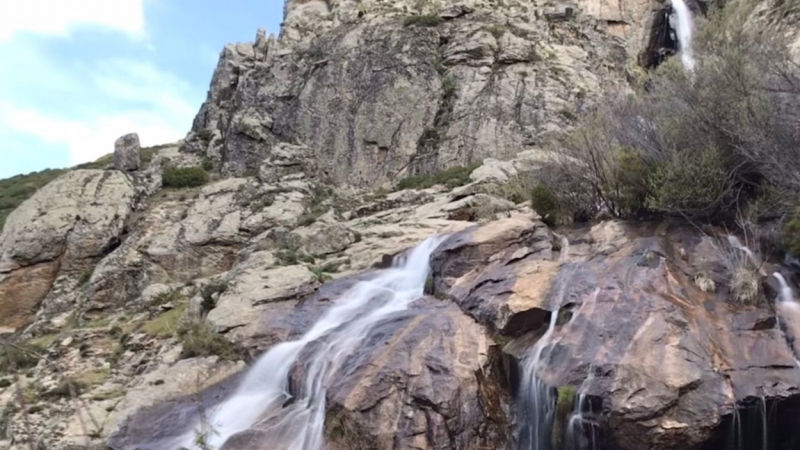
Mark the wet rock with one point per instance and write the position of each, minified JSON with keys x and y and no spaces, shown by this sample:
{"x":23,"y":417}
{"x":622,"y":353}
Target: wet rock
{"x":126,"y":153}
{"x":668,"y":361}
{"x":498,"y":273}
{"x":416,"y":383}
{"x":163,"y":405}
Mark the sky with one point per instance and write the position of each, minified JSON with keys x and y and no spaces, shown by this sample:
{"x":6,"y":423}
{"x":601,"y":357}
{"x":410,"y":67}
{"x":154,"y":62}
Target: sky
{"x":77,"y":74}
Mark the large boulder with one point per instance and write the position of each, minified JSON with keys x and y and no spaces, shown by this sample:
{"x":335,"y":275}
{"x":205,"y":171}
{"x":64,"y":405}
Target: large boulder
{"x":422,"y":379}
{"x":126,"y":153}
{"x":66,"y":225}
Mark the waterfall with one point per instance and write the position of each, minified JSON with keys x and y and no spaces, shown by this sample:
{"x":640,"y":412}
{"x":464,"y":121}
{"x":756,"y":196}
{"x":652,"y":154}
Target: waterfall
{"x":684,"y":32}
{"x":576,"y":439}
{"x":536,"y":400}
{"x":295,"y":420}
{"x":789,"y":314}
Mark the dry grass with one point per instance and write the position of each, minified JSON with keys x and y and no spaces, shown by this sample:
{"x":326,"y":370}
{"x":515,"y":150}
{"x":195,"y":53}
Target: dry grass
{"x":742,"y":270}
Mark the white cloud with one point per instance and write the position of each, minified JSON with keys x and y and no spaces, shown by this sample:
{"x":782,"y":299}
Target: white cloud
{"x":59,"y":17}
{"x":88,"y":138}
{"x":115,"y":97}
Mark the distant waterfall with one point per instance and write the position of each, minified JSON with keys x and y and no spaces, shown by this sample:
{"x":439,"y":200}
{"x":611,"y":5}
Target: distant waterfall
{"x":293,"y":419}
{"x":684,"y":32}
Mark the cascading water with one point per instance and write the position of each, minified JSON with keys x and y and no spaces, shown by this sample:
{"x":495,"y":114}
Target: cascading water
{"x":789,"y":313}
{"x":684,"y":31}
{"x":576,"y":437}
{"x":536,"y":399}
{"x":295,"y":421}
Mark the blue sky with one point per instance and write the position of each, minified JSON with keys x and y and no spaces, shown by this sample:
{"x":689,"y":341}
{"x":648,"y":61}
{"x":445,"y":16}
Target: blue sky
{"x":77,"y":74}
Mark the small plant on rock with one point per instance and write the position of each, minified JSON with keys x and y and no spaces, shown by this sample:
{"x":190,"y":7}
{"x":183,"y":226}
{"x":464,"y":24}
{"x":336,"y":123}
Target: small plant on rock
{"x":545,"y":203}
{"x":198,"y":339}
{"x":791,"y":234}
{"x":184,"y":177}
{"x":424,"y":20}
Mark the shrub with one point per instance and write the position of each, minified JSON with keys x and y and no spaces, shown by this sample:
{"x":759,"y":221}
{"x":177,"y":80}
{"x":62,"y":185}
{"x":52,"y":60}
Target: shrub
{"x":198,"y":339}
{"x":167,"y":297}
{"x":702,"y":144}
{"x":690,"y":183}
{"x":545,"y":204}
{"x":164,"y":324}
{"x":741,"y":271}
{"x":449,"y":85}
{"x":85,"y":276}
{"x":184,"y":177}
{"x":452,"y":177}
{"x":19,"y":357}
{"x":208,"y":292}
{"x":424,"y":20}
{"x":791,"y":234}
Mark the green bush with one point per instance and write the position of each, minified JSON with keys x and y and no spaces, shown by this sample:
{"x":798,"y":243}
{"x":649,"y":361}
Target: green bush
{"x":703,"y":144}
{"x":198,"y":339}
{"x":448,"y":84}
{"x":424,"y":20}
{"x":170,"y":296}
{"x":791,"y":234}
{"x":184,"y":177}
{"x":545,"y":203}
{"x":452,"y":177}
{"x":208,"y":292}
{"x":19,"y":356}
{"x":630,"y":179}
{"x":689,"y":183}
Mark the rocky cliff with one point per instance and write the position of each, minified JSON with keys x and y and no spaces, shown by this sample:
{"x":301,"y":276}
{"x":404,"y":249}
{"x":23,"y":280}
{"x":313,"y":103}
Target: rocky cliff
{"x":135,"y":300}
{"x":377,"y":90}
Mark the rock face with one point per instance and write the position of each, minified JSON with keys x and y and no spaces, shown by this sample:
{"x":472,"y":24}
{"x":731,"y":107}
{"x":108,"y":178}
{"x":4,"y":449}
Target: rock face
{"x":665,"y":363}
{"x":371,"y":96}
{"x":126,"y":153}
{"x":68,"y":223}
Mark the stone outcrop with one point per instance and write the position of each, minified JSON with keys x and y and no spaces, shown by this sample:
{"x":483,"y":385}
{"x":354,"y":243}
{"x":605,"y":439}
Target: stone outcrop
{"x":371,"y":97}
{"x":66,"y":225}
{"x":126,"y":153}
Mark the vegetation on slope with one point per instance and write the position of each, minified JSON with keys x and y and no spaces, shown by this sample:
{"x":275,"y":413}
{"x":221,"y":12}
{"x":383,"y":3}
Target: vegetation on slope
{"x":17,"y":189}
{"x":710,"y":145}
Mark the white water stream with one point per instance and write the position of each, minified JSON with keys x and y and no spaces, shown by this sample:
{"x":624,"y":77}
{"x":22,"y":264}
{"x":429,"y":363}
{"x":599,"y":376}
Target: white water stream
{"x":789,"y":313}
{"x":537,"y":401}
{"x":684,"y":28}
{"x":263,"y":398}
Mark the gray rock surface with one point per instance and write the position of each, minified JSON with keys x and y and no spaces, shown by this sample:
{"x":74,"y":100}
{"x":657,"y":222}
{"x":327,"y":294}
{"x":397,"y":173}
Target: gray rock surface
{"x":76,"y":218}
{"x":126,"y":153}
{"x":372,"y":100}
